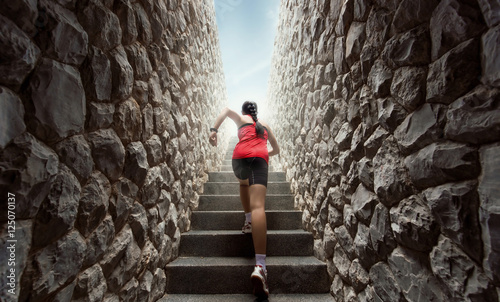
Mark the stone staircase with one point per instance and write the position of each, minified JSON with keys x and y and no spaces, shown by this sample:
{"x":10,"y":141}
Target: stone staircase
{"x":216,"y":259}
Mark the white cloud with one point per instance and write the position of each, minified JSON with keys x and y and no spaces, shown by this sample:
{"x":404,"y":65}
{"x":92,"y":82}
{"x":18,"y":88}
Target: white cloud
{"x":260,"y":66}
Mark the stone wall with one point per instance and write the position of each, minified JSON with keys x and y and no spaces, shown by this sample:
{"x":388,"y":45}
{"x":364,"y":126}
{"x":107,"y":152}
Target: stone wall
{"x":106,"y":106}
{"x":389,"y":124}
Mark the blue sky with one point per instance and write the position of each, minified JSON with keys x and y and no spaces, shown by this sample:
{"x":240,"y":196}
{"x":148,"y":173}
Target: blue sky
{"x":246,"y":34}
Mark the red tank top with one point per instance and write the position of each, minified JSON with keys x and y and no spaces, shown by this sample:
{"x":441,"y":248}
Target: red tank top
{"x":250,"y":144}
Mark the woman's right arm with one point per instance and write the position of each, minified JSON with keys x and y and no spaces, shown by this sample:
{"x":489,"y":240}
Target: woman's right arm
{"x":226,"y":112}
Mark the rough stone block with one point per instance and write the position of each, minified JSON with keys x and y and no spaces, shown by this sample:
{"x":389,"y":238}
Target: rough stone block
{"x":455,"y":207}
{"x":96,"y":75}
{"x":413,"y":276}
{"x":421,"y":128}
{"x":116,"y":251}
{"x":100,"y":116}
{"x":123,"y":196}
{"x":138,"y":57}
{"x":138,"y":222}
{"x":413,"y":224}
{"x":342,"y":262}
{"x":147,"y":122}
{"x":122,"y":74}
{"x":62,"y":26}
{"x":28,"y":168}
{"x":446,"y":81}
{"x":489,"y":212}
{"x":19,"y":54}
{"x":358,"y":276}
{"x":408,"y":86}
{"x":363,"y":247}
{"x":363,"y":203}
{"x":145,"y":35}
{"x":58,"y":99}
{"x":459,"y":273}
{"x":154,"y":150}
{"x":343,"y":137}
{"x":11,"y":116}
{"x":390,"y":113}
{"x":409,"y":48}
{"x":94,"y":203}
{"x":490,"y":57}
{"x":411,"y":13}
{"x":365,"y":172}
{"x":391,"y":181}
{"x":99,"y":241}
{"x":339,"y":56}
{"x":475,"y":117}
{"x":381,"y":235}
{"x":108,"y":152}
{"x":354,"y":42}
{"x":443,"y":162}
{"x":125,"y":269}
{"x":384,"y":283}
{"x":346,"y":242}
{"x":350,"y":225}
{"x":101,"y":25}
{"x":380,"y":79}
{"x":125,"y":12}
{"x":24,"y":13}
{"x":75,"y":153}
{"x":58,"y":212}
{"x":57,"y":264}
{"x":127,"y":121}
{"x":130,"y":291}
{"x":159,"y":284}
{"x":466,"y":18}
{"x":90,"y":285}
{"x":136,"y":164}
{"x":491,"y":11}
{"x":373,"y":143}
{"x":150,"y":191}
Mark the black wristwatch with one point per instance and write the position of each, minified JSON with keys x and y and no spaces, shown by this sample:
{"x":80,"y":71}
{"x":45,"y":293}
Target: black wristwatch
{"x":213,"y":129}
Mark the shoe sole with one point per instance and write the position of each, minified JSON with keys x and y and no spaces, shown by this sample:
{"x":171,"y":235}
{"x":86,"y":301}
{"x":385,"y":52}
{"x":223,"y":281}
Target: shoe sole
{"x":258,"y":287}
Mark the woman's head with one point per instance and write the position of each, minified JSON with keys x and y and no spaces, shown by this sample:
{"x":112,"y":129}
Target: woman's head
{"x":250,"y":108}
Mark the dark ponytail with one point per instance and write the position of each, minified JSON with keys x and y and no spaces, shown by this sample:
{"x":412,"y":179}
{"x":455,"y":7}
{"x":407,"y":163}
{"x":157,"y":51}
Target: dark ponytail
{"x":251,"y":108}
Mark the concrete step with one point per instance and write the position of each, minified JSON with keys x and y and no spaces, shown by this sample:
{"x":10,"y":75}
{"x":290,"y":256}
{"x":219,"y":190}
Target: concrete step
{"x":231,"y":275}
{"x":228,"y":176}
{"x":233,"y":220}
{"x":233,"y":188}
{"x":233,"y":203}
{"x":246,"y":298}
{"x":226,"y":168}
{"x":222,"y":243}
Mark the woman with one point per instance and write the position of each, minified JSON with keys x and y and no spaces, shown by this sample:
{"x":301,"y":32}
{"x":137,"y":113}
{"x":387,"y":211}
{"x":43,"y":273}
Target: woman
{"x":250,"y":165}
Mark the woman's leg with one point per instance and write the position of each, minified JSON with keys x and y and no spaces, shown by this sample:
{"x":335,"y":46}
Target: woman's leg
{"x":259,"y":223}
{"x":245,"y":195}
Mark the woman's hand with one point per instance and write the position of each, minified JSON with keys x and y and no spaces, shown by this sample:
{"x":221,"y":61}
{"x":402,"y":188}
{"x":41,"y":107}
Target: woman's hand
{"x":213,"y":139}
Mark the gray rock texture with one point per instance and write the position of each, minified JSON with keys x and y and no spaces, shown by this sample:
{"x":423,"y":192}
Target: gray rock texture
{"x":106,"y":110}
{"x":401,"y":147}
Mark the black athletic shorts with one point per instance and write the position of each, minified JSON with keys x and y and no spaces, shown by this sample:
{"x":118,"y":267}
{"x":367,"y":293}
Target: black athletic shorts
{"x":253,"y":168}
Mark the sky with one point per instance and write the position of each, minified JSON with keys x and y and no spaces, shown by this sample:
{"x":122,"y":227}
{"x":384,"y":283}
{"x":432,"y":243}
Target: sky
{"x":247,"y":30}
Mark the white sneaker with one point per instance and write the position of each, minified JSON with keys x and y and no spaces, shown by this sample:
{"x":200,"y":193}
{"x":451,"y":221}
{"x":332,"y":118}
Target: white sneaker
{"x":247,"y":228}
{"x":259,"y":281}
